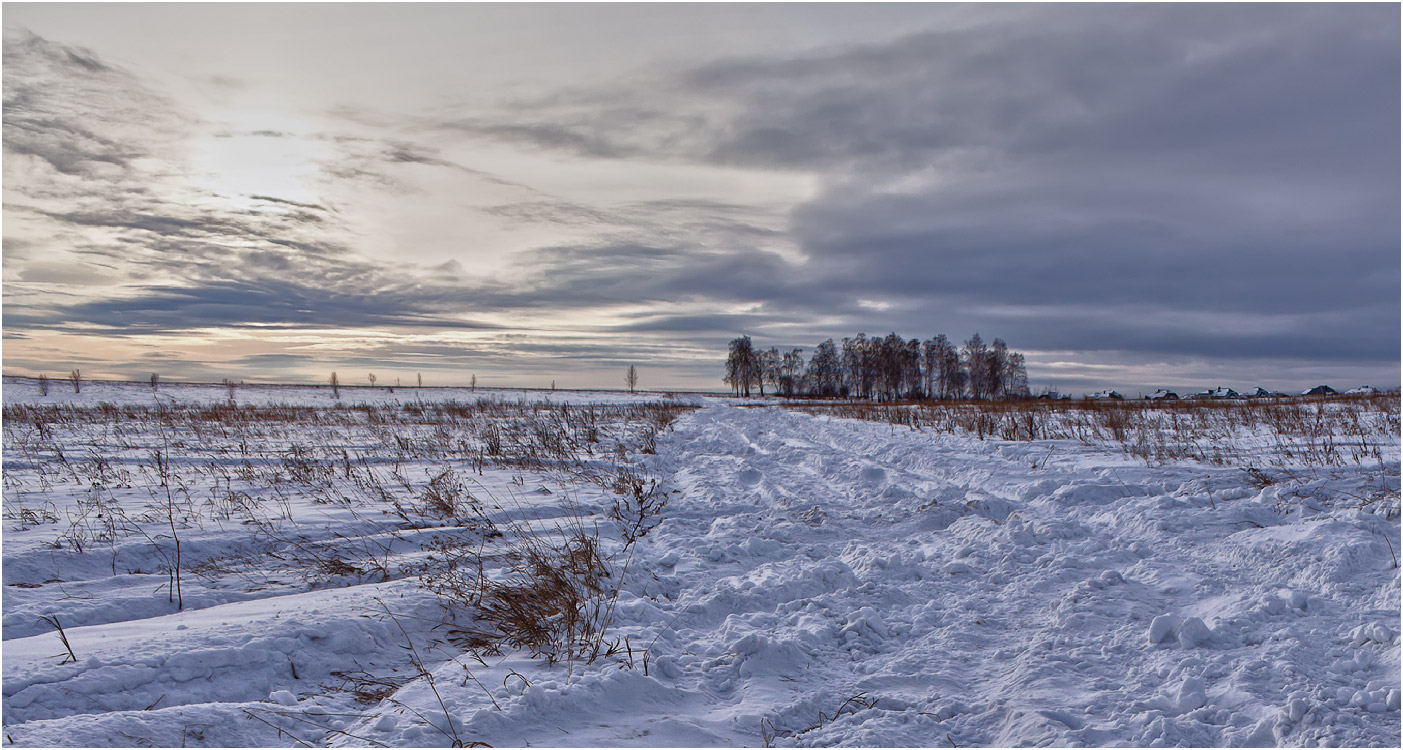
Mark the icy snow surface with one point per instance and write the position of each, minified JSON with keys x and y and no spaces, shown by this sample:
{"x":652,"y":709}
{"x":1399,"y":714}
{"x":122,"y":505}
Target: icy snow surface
{"x":813,"y":581}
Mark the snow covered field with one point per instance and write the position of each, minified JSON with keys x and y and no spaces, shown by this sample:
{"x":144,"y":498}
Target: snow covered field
{"x":805,"y":577}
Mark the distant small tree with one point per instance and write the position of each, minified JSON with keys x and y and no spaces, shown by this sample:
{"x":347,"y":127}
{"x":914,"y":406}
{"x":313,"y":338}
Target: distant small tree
{"x":930,"y":366}
{"x":154,"y":379}
{"x":229,"y":384}
{"x":421,"y":379}
{"x":472,"y":383}
{"x":335,"y":386}
{"x":43,"y":384}
{"x":1017,"y":376}
{"x":791,"y":370}
{"x":77,"y":378}
{"x":953,"y":376}
{"x":859,"y":365}
{"x":742,"y":366}
{"x":825,"y":373}
{"x":371,"y":376}
{"x":552,"y":385}
{"x":996,"y":369}
{"x":772,"y":368}
{"x":630,"y":377}
{"x":976,"y":359}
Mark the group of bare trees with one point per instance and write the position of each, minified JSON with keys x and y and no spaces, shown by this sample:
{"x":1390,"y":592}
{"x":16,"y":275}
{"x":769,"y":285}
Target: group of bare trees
{"x":882,"y":369}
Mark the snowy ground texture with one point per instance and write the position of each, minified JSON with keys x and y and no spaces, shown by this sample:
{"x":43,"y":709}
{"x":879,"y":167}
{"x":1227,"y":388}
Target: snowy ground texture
{"x":811,"y":580}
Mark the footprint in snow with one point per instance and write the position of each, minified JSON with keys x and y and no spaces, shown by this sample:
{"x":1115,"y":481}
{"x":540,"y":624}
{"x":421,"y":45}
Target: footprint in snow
{"x":874,"y":474}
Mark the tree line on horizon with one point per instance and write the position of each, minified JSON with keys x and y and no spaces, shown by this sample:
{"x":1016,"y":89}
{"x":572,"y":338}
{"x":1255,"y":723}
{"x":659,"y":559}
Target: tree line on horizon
{"x":882,"y":369}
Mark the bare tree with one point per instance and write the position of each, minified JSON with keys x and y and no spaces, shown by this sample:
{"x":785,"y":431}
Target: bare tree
{"x":630,"y":378}
{"x":976,"y":356}
{"x":421,"y":379}
{"x":911,"y":369}
{"x":959,"y":376}
{"x":952,"y":372}
{"x":473,"y":382}
{"x":77,"y":378}
{"x":825,"y":372}
{"x":742,"y":366}
{"x":770,"y":363}
{"x":154,"y":379}
{"x":335,"y":386}
{"x":997,"y":369}
{"x":891,"y":365}
{"x":43,"y":384}
{"x":791,"y":371}
{"x":859,"y":365}
{"x":1017,"y":386}
{"x":930,"y":368}
{"x":371,"y":377}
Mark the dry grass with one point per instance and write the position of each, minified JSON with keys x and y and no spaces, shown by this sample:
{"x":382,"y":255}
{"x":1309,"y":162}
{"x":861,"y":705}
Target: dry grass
{"x":1315,"y":432}
{"x":407,"y":476}
{"x":769,"y":732}
{"x":552,"y":602}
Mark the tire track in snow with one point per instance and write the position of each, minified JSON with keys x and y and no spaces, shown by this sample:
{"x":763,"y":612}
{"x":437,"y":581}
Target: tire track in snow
{"x":824,"y":575}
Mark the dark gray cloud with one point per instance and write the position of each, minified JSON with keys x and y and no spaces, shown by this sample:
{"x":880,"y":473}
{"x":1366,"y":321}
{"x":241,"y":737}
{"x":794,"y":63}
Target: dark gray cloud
{"x":1239,"y":162}
{"x":1111,"y":80}
{"x":47,"y":84}
{"x":259,"y":302}
{"x":713,"y":323}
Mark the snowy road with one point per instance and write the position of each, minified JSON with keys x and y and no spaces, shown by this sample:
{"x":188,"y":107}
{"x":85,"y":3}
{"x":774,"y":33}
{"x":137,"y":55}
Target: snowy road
{"x":941,"y":590}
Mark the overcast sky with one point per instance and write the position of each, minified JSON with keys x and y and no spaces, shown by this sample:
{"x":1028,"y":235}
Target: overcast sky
{"x":1133,"y":196}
